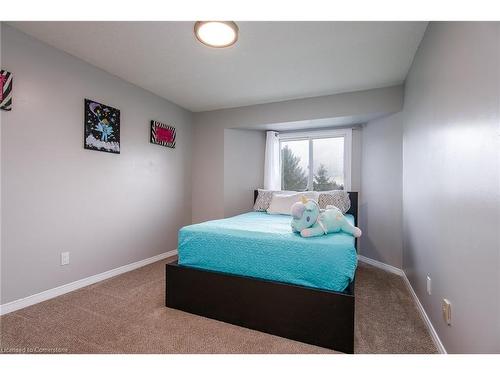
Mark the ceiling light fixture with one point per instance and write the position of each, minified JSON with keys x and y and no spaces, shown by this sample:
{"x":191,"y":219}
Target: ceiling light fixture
{"x":218,"y":34}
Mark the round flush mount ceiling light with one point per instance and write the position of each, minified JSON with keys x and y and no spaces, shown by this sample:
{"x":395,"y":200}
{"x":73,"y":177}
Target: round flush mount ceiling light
{"x":218,"y":34}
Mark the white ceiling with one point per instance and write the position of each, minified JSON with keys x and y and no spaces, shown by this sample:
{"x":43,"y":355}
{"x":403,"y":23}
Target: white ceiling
{"x":272,"y":61}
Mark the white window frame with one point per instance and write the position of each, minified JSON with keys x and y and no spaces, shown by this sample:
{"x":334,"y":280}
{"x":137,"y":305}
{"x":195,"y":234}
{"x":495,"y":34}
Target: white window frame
{"x":331,"y":133}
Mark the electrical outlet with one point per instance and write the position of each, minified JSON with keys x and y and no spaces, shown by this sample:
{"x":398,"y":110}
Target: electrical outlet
{"x":446,"y":305}
{"x":429,"y":285}
{"x":64,"y":258}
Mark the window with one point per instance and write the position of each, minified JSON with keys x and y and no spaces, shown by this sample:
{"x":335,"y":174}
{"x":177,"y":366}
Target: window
{"x":294,"y":165}
{"x":317,"y":161}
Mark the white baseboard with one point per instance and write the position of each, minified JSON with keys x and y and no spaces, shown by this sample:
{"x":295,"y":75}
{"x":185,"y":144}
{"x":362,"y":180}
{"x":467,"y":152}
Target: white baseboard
{"x":425,"y":317}
{"x":63,"y":289}
{"x":435,"y":338}
{"x":384,"y":266}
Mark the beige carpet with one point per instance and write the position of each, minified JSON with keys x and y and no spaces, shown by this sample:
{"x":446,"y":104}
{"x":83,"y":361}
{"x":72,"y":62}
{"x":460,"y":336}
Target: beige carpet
{"x":126,"y":314}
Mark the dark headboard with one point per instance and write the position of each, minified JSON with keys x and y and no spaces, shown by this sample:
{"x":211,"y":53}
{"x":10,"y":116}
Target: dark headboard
{"x":353,"y":196}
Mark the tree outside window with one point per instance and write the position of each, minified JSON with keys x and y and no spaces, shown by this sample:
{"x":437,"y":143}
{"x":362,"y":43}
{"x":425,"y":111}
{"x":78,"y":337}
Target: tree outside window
{"x":312,"y":164}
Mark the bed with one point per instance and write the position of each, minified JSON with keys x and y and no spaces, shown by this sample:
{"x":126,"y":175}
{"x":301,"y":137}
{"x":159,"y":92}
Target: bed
{"x":260,"y":245}
{"x":251,"y":270}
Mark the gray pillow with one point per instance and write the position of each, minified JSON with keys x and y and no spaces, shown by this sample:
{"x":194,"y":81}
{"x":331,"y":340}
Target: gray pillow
{"x":337,"y":198}
{"x":263,"y":200}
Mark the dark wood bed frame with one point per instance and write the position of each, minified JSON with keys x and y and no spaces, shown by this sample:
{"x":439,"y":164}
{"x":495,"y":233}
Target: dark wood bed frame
{"x":314,"y":316}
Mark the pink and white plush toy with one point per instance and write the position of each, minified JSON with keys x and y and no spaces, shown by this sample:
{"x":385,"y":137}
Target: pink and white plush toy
{"x":310,"y":221}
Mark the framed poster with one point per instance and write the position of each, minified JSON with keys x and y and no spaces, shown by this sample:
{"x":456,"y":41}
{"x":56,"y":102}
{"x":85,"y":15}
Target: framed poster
{"x":162,"y":134}
{"x":102,"y":127}
{"x":5,"y":90}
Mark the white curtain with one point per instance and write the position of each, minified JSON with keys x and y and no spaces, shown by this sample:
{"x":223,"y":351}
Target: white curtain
{"x":272,"y":178}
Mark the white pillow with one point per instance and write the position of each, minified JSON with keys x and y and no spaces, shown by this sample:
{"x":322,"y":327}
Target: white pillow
{"x":281,"y":204}
{"x":264,"y":198}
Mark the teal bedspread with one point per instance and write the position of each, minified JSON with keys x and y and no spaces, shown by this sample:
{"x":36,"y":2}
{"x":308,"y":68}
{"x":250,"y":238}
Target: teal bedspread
{"x":260,"y":245}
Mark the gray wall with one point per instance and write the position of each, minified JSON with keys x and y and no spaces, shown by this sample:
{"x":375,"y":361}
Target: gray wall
{"x":381,"y":190}
{"x":356,"y":159}
{"x":345,"y":105}
{"x":208,"y":136}
{"x":451,"y":192}
{"x":208,"y":172}
{"x":107,"y":210}
{"x":243,"y":168}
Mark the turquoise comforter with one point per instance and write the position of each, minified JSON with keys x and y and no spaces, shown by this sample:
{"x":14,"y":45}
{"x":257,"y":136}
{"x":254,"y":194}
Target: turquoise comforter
{"x":260,"y":245}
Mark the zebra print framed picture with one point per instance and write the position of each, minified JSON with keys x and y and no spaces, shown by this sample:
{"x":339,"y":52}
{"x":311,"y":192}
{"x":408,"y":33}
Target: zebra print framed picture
{"x":162,"y":134}
{"x":5,"y":90}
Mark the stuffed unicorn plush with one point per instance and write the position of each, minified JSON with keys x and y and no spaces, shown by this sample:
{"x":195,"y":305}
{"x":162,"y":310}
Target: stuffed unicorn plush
{"x":310,"y":221}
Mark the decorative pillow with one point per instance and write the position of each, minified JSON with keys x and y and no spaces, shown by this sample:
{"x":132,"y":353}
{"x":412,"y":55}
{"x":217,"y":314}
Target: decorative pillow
{"x":337,"y":198}
{"x":264,"y":198}
{"x":281,"y":204}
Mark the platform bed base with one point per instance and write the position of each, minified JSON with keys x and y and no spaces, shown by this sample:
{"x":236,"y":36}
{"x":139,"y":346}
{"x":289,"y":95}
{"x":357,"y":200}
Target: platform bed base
{"x":314,"y":316}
